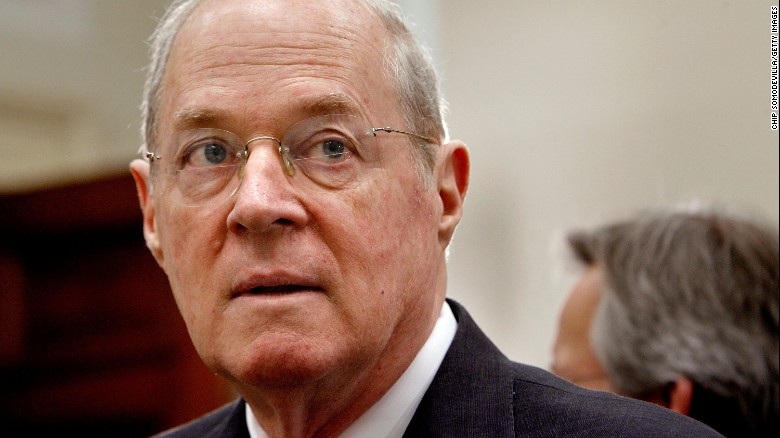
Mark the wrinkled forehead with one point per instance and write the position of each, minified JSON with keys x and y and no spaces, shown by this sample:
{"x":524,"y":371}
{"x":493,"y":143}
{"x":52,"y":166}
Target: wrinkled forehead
{"x":258,"y":48}
{"x":226,"y":21}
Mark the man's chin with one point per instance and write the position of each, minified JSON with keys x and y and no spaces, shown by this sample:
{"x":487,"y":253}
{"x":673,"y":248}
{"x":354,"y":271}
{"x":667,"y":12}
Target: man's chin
{"x":281,"y":363}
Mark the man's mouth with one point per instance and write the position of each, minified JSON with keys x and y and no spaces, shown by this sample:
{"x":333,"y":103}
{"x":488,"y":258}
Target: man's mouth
{"x":274,"y":284}
{"x":279,"y":290}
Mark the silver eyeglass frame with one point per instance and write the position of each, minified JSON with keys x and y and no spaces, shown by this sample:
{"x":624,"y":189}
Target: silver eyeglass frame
{"x":287,"y":162}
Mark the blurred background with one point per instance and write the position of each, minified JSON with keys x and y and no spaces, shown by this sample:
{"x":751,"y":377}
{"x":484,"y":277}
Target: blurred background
{"x":575,"y":113}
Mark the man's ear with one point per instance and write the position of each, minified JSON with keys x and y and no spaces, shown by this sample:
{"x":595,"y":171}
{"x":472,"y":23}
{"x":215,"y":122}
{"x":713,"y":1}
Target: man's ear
{"x":453,"y":183}
{"x":140,"y":171}
{"x":680,"y":395}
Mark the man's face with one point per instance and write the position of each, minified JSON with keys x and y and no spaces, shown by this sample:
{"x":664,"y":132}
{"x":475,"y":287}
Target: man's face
{"x":280,"y":284}
{"x":573,"y":355}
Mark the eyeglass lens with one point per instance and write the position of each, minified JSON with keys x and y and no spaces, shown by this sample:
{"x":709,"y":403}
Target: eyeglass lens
{"x":331,"y":151}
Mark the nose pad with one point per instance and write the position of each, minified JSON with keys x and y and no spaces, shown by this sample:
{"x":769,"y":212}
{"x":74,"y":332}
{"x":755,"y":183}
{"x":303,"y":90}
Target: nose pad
{"x":248,"y":153}
{"x":284,"y":152}
{"x":264,"y":197}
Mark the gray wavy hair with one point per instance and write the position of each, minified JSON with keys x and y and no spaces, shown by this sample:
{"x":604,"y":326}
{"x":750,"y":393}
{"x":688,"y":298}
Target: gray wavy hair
{"x":408,"y":66}
{"x":690,"y":292}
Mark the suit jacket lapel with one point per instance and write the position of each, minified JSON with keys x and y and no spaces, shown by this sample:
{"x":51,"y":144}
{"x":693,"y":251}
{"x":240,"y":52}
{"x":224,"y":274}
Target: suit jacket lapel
{"x":462,"y":400}
{"x":232,"y":425}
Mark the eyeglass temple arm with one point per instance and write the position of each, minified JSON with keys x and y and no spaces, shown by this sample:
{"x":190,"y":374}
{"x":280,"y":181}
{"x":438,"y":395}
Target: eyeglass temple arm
{"x":388,"y":129}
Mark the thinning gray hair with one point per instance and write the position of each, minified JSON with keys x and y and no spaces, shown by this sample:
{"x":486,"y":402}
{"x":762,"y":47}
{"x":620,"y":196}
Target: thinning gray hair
{"x":408,"y":66}
{"x":689,"y":292}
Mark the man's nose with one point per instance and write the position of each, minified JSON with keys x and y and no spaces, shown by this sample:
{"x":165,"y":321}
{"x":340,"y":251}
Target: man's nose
{"x":265,"y":199}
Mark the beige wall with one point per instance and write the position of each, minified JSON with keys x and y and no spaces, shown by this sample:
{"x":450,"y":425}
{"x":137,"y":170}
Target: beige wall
{"x":70,"y":86}
{"x":578,"y":112}
{"x":575,"y":112}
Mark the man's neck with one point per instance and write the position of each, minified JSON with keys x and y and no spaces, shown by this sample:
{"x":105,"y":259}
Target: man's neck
{"x":386,"y":412}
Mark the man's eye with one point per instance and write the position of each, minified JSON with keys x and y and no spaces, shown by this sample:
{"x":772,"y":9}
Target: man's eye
{"x":323,"y":147}
{"x":214,"y":153}
{"x":207,"y":154}
{"x":333,"y":148}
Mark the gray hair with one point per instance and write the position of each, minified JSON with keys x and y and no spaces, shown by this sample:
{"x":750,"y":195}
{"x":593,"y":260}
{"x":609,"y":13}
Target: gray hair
{"x":689,"y":293}
{"x":408,"y":67}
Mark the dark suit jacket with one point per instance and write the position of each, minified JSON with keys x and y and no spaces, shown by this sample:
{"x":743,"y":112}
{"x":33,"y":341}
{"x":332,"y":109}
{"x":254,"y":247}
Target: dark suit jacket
{"x":478,"y":392}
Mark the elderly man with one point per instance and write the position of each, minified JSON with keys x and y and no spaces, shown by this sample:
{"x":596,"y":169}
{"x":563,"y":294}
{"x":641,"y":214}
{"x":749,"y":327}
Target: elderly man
{"x":679,"y":307}
{"x":300,"y":191}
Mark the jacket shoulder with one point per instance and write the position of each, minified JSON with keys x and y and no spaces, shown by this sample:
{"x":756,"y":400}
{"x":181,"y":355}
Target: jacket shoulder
{"x":478,"y":391}
{"x":543,"y":402}
{"x":226,"y":421}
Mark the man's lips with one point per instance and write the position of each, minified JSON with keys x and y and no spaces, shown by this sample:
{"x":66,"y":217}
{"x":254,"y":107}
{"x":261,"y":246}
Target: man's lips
{"x":281,"y":289}
{"x":274,"y":285}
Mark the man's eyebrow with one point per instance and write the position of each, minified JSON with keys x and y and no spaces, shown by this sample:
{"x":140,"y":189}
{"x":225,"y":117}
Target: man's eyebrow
{"x":309,"y":106}
{"x":194,"y":117}
{"x":332,"y":103}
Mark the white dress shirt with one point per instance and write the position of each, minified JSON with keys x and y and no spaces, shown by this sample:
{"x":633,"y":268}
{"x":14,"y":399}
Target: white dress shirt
{"x":390,"y":416}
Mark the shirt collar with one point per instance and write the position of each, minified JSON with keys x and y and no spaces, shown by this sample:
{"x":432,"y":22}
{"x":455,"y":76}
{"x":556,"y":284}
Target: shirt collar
{"x":390,"y":416}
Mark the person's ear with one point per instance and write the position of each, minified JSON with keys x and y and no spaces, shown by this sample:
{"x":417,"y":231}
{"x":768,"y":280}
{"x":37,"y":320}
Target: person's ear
{"x":680,"y":395}
{"x":453,"y":183}
{"x":140,"y":171}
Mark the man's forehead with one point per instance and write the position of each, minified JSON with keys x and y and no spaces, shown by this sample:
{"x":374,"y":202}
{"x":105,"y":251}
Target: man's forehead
{"x":281,"y":32}
{"x":308,"y":106}
{"x":224,"y":58}
{"x":282,"y":14}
